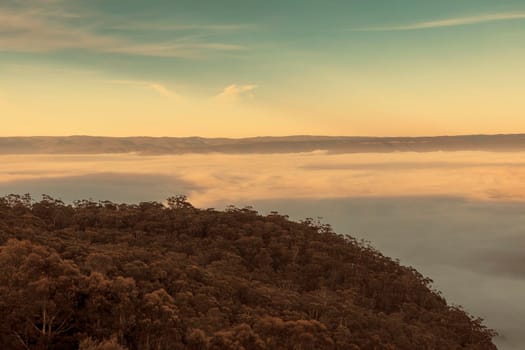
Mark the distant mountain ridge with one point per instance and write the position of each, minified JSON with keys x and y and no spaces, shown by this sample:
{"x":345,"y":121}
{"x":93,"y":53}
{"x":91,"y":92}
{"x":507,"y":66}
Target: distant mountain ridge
{"x":268,"y":144}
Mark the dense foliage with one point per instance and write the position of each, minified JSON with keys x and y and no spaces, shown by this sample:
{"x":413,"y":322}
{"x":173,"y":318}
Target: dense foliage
{"x":152,"y":276}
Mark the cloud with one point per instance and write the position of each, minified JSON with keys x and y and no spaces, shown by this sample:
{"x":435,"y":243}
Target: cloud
{"x":43,"y":26}
{"x":42,"y":30}
{"x":161,"y":89}
{"x":234,"y":92}
{"x":118,"y":187}
{"x":173,"y":49}
{"x":157,"y":87}
{"x":451,"y":22}
{"x":169,"y":27}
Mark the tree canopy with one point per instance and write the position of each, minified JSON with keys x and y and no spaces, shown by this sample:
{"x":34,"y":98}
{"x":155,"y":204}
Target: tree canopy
{"x":102,"y":275}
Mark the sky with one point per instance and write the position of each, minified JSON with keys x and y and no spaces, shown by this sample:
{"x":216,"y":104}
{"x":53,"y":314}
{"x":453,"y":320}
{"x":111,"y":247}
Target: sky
{"x":245,"y":68}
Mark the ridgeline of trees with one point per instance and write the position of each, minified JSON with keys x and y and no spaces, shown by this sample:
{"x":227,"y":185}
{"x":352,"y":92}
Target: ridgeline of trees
{"x":106,"y":276}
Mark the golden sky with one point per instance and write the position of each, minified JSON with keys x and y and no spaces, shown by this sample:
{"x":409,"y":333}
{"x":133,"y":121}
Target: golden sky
{"x":279,"y":68}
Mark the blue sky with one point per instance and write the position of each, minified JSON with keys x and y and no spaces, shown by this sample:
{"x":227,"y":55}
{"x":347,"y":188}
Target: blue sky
{"x":283,"y":67}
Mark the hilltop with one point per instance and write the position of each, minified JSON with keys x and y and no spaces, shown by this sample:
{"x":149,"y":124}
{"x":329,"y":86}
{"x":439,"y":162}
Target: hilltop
{"x":101,"y":275}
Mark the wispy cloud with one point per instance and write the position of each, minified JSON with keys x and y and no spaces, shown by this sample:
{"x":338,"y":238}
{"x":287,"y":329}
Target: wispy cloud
{"x":29,"y":31}
{"x":173,"y":27}
{"x":173,"y":49}
{"x":450,"y":22}
{"x":159,"y":88}
{"x":43,"y":26}
{"x":234,"y":92}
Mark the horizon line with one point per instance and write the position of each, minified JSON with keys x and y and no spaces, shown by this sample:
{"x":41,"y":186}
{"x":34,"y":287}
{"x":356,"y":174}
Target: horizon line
{"x":260,"y":136}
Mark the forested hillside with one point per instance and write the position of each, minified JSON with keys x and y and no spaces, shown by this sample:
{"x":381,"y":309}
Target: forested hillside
{"x":100,"y":275}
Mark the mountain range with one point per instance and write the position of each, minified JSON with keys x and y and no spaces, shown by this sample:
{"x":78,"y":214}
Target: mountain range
{"x":260,"y":145}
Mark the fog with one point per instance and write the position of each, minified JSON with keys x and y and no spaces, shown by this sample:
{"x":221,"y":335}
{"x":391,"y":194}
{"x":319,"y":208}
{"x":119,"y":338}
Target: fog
{"x":213,"y":178}
{"x":458,"y":217}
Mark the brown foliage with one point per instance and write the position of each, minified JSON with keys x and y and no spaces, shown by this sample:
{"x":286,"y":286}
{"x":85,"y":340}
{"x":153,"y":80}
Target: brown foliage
{"x":109,"y":276}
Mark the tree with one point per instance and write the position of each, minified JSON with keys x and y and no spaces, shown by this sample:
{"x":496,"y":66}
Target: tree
{"x":38,"y":294}
{"x":179,"y":202}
